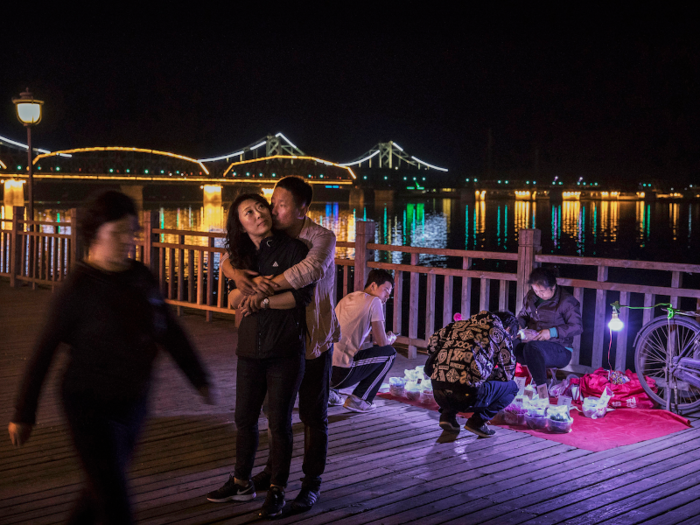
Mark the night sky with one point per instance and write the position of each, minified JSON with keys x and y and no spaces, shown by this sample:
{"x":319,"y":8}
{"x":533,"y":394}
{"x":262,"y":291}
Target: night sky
{"x":597,"y":92}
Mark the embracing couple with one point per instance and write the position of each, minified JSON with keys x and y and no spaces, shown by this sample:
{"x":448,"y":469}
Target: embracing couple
{"x":283,"y":266}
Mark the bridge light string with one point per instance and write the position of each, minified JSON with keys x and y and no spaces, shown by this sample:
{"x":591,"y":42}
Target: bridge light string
{"x":2,"y":164}
{"x":359,"y":161}
{"x":429,"y":165}
{"x":14,"y":143}
{"x":278,"y":135}
{"x":300,"y":157}
{"x":212,"y":159}
{"x":119,"y":148}
{"x":376,"y":152}
{"x":251,"y":148}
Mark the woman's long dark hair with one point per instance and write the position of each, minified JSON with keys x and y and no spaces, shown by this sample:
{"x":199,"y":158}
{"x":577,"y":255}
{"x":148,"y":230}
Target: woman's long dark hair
{"x":240,"y":247}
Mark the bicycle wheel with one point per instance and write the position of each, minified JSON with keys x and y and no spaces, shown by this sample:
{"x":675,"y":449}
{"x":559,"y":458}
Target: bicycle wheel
{"x":655,"y":347}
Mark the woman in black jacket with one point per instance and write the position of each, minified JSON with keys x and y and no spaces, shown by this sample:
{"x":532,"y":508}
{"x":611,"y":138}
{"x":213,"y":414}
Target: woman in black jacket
{"x":550,"y":318}
{"x":112,"y":315}
{"x":271,"y":348}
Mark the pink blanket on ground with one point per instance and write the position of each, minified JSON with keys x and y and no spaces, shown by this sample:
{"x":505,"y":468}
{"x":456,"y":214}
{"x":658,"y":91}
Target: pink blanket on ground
{"x":624,"y":426}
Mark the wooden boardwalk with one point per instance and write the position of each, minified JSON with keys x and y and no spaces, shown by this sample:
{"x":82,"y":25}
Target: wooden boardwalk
{"x":388,"y":466}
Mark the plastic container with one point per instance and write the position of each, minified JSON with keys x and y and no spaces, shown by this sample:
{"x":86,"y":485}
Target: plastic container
{"x":397,"y":386}
{"x":413,"y":395}
{"x":559,"y":427}
{"x":594,"y":412}
{"x":514,"y":414}
{"x":426,"y":396}
{"x":594,"y":407}
{"x":513,"y":418}
{"x":413,"y":391}
{"x":536,"y":421}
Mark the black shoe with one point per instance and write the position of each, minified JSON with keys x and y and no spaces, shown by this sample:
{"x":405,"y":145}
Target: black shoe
{"x":306,"y":499}
{"x":232,"y":492}
{"x":262,"y":480}
{"x":274,"y":503}
{"x":448,"y":424}
{"x":482,"y":430}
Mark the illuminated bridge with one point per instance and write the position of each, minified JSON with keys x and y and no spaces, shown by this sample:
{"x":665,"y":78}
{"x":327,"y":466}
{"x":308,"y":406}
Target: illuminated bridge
{"x":260,"y":164}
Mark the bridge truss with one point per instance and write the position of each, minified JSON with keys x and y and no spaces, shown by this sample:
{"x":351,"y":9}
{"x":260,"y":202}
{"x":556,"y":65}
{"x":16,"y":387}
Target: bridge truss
{"x":389,"y":155}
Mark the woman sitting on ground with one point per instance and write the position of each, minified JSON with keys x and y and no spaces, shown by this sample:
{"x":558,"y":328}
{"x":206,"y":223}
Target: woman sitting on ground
{"x":271,"y":350}
{"x":550,"y":317}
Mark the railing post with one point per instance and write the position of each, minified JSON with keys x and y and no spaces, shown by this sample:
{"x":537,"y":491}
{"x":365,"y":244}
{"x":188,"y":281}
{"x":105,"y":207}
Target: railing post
{"x":150,"y":254}
{"x":413,"y":296}
{"x":77,"y":247}
{"x":15,"y":248}
{"x":528,"y":246}
{"x":364,"y":234}
{"x":599,"y":321}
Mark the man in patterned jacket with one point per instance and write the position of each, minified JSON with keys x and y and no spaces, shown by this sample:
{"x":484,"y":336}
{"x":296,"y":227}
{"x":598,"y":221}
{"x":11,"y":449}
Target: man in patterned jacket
{"x":471,"y":366}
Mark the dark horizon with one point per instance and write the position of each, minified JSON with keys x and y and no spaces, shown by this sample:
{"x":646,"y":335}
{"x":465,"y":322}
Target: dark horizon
{"x":588,"y":95}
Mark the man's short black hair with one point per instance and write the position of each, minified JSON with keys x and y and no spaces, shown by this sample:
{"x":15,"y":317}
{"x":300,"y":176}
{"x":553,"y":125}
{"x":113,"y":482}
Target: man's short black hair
{"x":301,"y":191}
{"x":379,"y":277}
{"x":543,"y":277}
{"x":509,"y":321}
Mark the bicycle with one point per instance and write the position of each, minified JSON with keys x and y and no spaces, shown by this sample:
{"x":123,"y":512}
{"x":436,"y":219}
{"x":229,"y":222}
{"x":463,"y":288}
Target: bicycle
{"x":667,"y":351}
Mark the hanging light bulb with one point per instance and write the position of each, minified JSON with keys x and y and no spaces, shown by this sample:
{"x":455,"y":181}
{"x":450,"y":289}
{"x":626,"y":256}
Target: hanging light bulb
{"x":615,"y":323}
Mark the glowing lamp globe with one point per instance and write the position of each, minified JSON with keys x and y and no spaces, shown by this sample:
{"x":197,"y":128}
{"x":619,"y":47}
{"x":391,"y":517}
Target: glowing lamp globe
{"x":28,"y":109}
{"x":615,"y":323}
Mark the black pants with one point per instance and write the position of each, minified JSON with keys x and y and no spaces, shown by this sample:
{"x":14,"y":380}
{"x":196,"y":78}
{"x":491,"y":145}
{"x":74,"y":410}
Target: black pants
{"x":485,"y":402}
{"x":313,"y":411}
{"x":278,"y":378}
{"x":368,"y":369}
{"x":541,"y":355}
{"x":104,"y":439}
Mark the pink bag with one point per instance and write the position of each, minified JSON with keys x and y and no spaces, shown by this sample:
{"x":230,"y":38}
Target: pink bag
{"x":627,"y":395}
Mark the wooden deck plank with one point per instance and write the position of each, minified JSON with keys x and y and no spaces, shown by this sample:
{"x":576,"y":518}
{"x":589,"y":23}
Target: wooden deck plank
{"x":685,"y":514}
{"x":656,"y":484}
{"x":391,"y":465}
{"x":539,"y":497}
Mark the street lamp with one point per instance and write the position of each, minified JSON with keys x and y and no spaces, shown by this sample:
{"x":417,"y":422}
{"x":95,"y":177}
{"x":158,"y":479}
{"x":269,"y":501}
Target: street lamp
{"x":29,"y":114}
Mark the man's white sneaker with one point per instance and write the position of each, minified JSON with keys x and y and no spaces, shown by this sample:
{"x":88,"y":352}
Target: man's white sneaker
{"x":334,"y":398}
{"x":355,"y":404}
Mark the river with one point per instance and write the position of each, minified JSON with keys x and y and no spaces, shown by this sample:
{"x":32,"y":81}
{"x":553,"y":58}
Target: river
{"x":655,"y":231}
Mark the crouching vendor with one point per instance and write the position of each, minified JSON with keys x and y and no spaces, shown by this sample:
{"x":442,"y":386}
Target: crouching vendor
{"x":471,"y":366}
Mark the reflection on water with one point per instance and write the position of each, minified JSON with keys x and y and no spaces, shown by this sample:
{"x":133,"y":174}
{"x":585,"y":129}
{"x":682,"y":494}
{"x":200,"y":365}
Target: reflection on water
{"x":609,"y":217}
{"x":673,"y":215}
{"x":524,"y":211}
{"x":592,"y":228}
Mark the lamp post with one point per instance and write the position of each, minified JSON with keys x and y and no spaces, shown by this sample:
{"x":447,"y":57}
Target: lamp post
{"x":29,"y":114}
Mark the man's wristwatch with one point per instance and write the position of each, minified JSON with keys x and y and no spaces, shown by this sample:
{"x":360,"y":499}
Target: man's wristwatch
{"x":265,"y":303}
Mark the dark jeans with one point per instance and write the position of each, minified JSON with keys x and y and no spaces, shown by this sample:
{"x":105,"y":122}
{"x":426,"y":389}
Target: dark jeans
{"x":369,"y":367}
{"x":488,"y":399}
{"x":278,"y":378}
{"x":104,"y":439}
{"x":541,"y":355}
{"x":313,"y":411}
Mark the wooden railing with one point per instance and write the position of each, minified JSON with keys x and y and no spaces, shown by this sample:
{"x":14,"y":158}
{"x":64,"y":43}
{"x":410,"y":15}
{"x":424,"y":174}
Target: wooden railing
{"x":418,"y":287}
{"x":639,"y":292}
{"x":36,"y":252}
{"x":425,"y":297}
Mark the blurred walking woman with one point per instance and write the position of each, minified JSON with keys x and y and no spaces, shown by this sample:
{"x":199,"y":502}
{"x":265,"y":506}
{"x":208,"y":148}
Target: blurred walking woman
{"x":112,"y":315}
{"x":271,"y":348}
